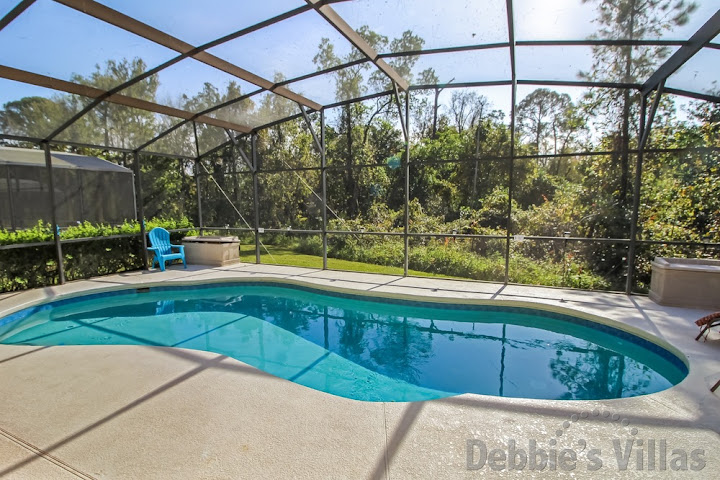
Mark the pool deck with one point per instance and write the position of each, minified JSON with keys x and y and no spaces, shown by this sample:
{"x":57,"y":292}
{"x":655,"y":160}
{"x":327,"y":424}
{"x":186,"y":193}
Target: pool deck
{"x":151,"y":412}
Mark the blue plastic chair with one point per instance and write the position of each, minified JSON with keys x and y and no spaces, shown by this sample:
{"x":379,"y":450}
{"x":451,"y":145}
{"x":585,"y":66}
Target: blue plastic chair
{"x":162,"y":248}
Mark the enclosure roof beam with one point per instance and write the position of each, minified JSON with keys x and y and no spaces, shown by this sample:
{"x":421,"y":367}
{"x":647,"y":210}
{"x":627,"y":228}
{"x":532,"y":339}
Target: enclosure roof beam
{"x":332,"y":105}
{"x":15,"y":12}
{"x":173,"y":61}
{"x":695,"y":95}
{"x":702,"y":37}
{"x":332,"y":17}
{"x":619,"y":85}
{"x":92,"y":92}
{"x":541,"y":43}
{"x":511,"y":39}
{"x":37,"y":140}
{"x":132,"y":25}
{"x":396,"y":95}
{"x":199,"y":114}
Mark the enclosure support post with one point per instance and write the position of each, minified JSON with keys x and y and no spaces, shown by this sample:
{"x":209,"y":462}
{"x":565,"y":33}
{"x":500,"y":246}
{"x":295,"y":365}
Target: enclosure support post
{"x":140,"y":208}
{"x":511,"y":174}
{"x":256,"y":203}
{"x":53,"y":214}
{"x":645,"y":126}
{"x":323,"y":179}
{"x":320,"y":144}
{"x":405,"y":124}
{"x":11,"y":203}
{"x":135,"y":203}
{"x":636,"y":201}
{"x":511,"y":166}
{"x":197,"y":178}
{"x":82,"y":197}
{"x":199,"y":195}
{"x":407,"y":183}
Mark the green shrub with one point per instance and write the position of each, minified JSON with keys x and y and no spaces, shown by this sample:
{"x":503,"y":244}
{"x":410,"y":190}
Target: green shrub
{"x":310,"y":245}
{"x":478,"y":259}
{"x":456,"y":261}
{"x":36,"y":266}
{"x":474,"y":259}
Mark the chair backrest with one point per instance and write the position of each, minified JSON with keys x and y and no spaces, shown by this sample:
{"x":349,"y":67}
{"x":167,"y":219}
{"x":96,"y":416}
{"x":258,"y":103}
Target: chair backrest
{"x":160,"y":238}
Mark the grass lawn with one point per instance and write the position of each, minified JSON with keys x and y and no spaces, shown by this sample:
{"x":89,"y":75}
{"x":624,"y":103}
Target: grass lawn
{"x":287,"y":256}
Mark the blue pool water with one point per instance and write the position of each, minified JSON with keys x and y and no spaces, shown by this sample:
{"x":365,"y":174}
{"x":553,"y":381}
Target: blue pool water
{"x":365,"y":348}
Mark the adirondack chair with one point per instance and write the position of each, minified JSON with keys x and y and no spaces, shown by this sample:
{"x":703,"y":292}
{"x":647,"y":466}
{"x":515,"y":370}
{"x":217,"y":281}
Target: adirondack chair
{"x":161,"y":247}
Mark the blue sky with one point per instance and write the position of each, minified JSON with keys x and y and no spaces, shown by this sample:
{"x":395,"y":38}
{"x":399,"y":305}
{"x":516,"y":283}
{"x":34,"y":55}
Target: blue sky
{"x":57,"y":41}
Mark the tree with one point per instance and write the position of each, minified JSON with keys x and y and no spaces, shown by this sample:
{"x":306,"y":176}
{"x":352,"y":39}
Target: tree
{"x":108,"y":123}
{"x":34,"y":116}
{"x":168,"y":192}
{"x":422,"y":108}
{"x":595,"y":372}
{"x":608,"y":178}
{"x":468,"y":108}
{"x":351,"y":82}
{"x":547,"y":119}
{"x":709,"y":115}
{"x":628,"y":20}
{"x":289,"y":199}
{"x":210,"y":137}
{"x":225,"y":166}
{"x":681,"y":191}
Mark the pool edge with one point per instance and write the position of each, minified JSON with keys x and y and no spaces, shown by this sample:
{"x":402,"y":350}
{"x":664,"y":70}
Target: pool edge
{"x":439,"y":300}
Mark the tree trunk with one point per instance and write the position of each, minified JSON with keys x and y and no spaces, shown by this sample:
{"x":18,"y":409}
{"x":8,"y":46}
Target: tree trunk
{"x":538,"y":127}
{"x":473,"y":200}
{"x":625,"y":127}
{"x":350,"y":184}
{"x":366,"y":130}
{"x":435,"y":109}
{"x":624,"y":147}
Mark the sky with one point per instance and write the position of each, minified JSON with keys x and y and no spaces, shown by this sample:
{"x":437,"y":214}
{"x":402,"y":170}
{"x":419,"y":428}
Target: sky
{"x":54,"y":40}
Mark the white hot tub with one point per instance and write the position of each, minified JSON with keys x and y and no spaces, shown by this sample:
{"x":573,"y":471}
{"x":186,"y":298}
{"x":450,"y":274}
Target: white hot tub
{"x":212,"y":250}
{"x":686,"y":282}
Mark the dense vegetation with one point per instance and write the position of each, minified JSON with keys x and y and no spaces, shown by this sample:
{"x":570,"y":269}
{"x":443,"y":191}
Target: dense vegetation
{"x":571,"y":173}
{"x":97,"y":250}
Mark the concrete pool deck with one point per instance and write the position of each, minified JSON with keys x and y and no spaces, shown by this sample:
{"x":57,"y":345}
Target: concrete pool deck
{"x":151,"y":412}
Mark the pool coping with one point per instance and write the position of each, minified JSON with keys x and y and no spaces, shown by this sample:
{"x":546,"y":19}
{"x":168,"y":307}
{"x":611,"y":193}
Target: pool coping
{"x":639,"y":315}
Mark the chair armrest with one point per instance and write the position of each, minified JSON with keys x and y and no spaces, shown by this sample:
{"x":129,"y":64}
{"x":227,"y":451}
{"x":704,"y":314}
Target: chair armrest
{"x":180,"y":247}
{"x":153,"y":249}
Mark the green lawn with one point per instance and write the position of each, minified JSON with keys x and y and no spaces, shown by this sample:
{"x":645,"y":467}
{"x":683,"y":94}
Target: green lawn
{"x":287,"y":256}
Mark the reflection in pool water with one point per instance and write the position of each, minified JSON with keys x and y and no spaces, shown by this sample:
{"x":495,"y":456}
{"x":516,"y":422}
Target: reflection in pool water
{"x":365,"y":349}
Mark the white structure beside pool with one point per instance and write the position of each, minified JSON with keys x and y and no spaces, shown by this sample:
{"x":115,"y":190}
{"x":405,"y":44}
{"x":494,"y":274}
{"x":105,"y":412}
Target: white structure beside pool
{"x":686,"y":282}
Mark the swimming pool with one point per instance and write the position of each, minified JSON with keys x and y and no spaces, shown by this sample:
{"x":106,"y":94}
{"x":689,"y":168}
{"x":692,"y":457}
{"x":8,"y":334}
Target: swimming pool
{"x":365,"y":347}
